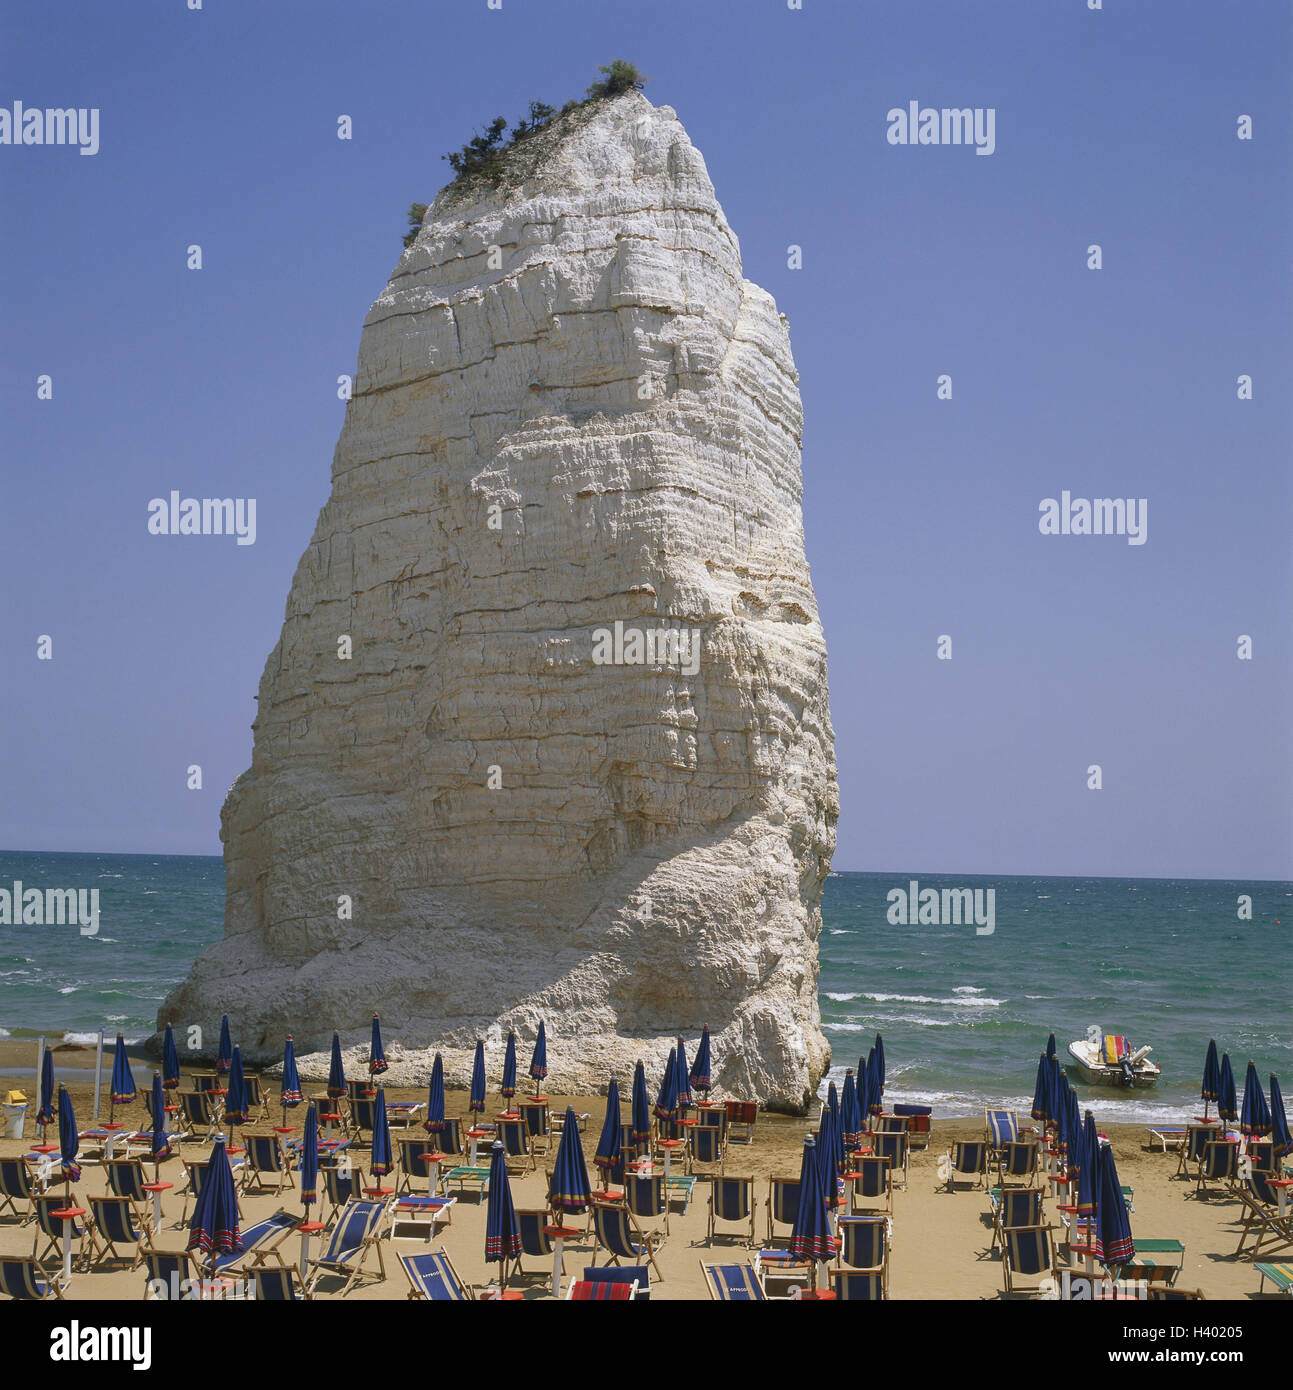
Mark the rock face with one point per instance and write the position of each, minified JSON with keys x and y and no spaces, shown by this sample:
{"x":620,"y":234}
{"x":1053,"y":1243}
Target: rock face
{"x":570,"y":412}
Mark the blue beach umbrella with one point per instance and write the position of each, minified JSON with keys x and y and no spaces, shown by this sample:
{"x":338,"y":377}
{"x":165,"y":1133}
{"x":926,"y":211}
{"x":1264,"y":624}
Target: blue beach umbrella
{"x":1255,"y":1118}
{"x":1113,"y":1242}
{"x":309,"y":1160}
{"x":1227,"y":1105}
{"x":684,"y":1078}
{"x":1050,"y":1046}
{"x":507,"y":1088}
{"x":476,"y":1101}
{"x":376,"y":1053}
{"x":123,"y":1083}
{"x":213,"y":1228}
{"x":1073,"y":1126}
{"x":852,"y":1124}
{"x":875,"y":1081}
{"x":1279,"y":1120}
{"x":700,"y":1068}
{"x":502,"y":1233}
{"x":864,"y":1092}
{"x":160,"y":1145}
{"x":828,"y":1156}
{"x":539,"y":1058}
{"x":45,"y":1115}
{"x":570,"y":1190}
{"x":641,"y":1117}
{"x":666,"y":1103}
{"x":235,"y":1101}
{"x":878,"y":1050}
{"x":170,"y":1061}
{"x":291,"y":1081}
{"x":381,"y":1152}
{"x":1211,"y":1088}
{"x":224,"y":1057}
{"x":435,"y":1122}
{"x":336,"y":1072}
{"x":69,"y":1138}
{"x":1086,"y":1156}
{"x":1041,"y":1091}
{"x":810,"y":1236}
{"x":609,"y":1156}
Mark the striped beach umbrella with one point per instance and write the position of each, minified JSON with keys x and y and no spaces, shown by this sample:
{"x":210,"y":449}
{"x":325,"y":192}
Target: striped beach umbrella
{"x":1083,"y":1164}
{"x":852,"y":1125}
{"x":1255,"y":1117}
{"x":507,"y":1088}
{"x":1050,"y":1046}
{"x":810,"y":1236}
{"x":1041,"y":1091}
{"x":829,"y":1154}
{"x":666,"y":1102}
{"x":571,"y":1192}
{"x":161,"y":1148}
{"x":382,"y":1161}
{"x":224,"y":1057}
{"x":502,"y":1233}
{"x":235,"y":1100}
{"x":435,"y":1121}
{"x":336,"y":1072}
{"x":702,"y":1066}
{"x":1113,"y":1243}
{"x":291,"y":1081}
{"x":684,"y":1078}
{"x":476,"y":1101}
{"x":123,"y":1083}
{"x":609,"y":1156}
{"x":641,"y":1108}
{"x":539,"y":1058}
{"x":1211,"y":1088}
{"x":875,"y":1079}
{"x":1279,"y":1120}
{"x":69,"y":1139}
{"x":45,"y":1115}
{"x":309,"y":1159}
{"x":1227,"y":1105}
{"x":170,"y":1061}
{"x":213,"y":1227}
{"x":376,"y":1053}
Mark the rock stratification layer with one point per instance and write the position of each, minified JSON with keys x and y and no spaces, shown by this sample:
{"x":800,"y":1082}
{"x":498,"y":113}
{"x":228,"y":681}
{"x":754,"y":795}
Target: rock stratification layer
{"x":579,"y":763}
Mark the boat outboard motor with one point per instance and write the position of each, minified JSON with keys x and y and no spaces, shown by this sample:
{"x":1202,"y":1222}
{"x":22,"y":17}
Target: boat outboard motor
{"x":1128,"y":1067}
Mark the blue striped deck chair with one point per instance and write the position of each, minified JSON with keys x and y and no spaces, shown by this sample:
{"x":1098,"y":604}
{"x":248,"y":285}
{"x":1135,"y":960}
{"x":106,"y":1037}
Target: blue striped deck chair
{"x":893,"y":1145}
{"x":432,"y":1277}
{"x":856,"y":1286}
{"x":1280,"y":1274}
{"x":264,"y":1155}
{"x":1017,"y":1163}
{"x":22,"y":1278}
{"x":1261,"y":1218}
{"x":196,"y":1173}
{"x":731,"y":1199}
{"x":969,"y":1158}
{"x":205,"y":1081}
{"x":449,"y":1139}
{"x":715,"y":1117}
{"x":888,"y":1124}
{"x":126,"y":1178}
{"x":413,"y":1170}
{"x":515,"y":1139}
{"x":601,"y":1291}
{"x":169,"y":1275}
{"x":1165,"y":1293}
{"x":732,"y":1283}
{"x":341,"y":1183}
{"x":1012,"y":1209}
{"x":1220,"y":1164}
{"x":113,"y":1222}
{"x":199,"y":1111}
{"x":15,"y":1186}
{"x":51,"y":1227}
{"x":260,"y":1242}
{"x":616,"y":1232}
{"x":363,"y":1114}
{"x":1262,"y":1154}
{"x":1028,"y":1253}
{"x":276,"y":1284}
{"x":871,"y":1181}
{"x":634,"y":1275}
{"x":782,"y":1204}
{"x":1002,"y":1128}
{"x":646,"y":1198}
{"x":705,"y":1148}
{"x":357,"y":1232}
{"x":255,"y":1098}
{"x":535,"y":1119}
{"x":864,"y":1245}
{"x":530,"y":1223}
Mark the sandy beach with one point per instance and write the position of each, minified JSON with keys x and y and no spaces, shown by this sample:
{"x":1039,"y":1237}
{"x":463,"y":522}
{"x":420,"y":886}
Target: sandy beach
{"x":941,"y":1240}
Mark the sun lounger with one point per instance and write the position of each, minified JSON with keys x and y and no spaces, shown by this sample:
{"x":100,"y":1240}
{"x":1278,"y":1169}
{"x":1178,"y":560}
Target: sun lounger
{"x":356,"y":1234}
{"x":731,"y":1199}
{"x":22,"y":1278}
{"x":1150,"y":1260}
{"x":1164,"y":1293}
{"x":680,"y":1185}
{"x":733,"y":1283}
{"x":465,"y":1177}
{"x":432,"y":1277}
{"x":602,"y":1290}
{"x":416,"y":1216}
{"x":1168,"y":1136}
{"x":780,"y":1273}
{"x":1280,"y":1274}
{"x":260,"y":1242}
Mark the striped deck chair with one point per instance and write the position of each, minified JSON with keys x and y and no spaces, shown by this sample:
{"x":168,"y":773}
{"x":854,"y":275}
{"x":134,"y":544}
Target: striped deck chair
{"x":705,"y":1149}
{"x":449,"y":1139}
{"x":412,"y":1169}
{"x":969,"y":1158}
{"x":1261,"y":1153}
{"x":864,"y":1245}
{"x":919,"y":1120}
{"x":1261,"y":1218}
{"x":638,"y":1276}
{"x":715,"y":1117}
{"x":601,"y":1291}
{"x":433,"y":1278}
{"x":530,"y":1223}
{"x":1017,"y":1163}
{"x":782,"y":1204}
{"x":857,"y":1286}
{"x":732,"y":1283}
{"x":276,"y":1284}
{"x":363,"y":1115}
{"x":15,"y":1186}
{"x":1197,"y":1137}
{"x":260,"y":1242}
{"x":535,"y":1119}
{"x":199,"y":1111}
{"x":872,"y":1182}
{"x":893,"y":1145}
{"x":196,"y":1174}
{"x":741,"y":1117}
{"x":614,"y":1230}
{"x":1002,"y":1128}
{"x":731,"y":1199}
{"x":1028,"y":1253}
{"x":1219,"y":1165}
{"x":113,"y":1222}
{"x":264,"y":1158}
{"x":126,"y":1178}
{"x":256,"y":1100}
{"x":357,"y":1232}
{"x":22,"y":1278}
{"x":1281,"y":1275}
{"x":341,"y":1184}
{"x":51,"y":1227}
{"x":515,"y":1139}
{"x":1164,"y":1293}
{"x":646,"y":1198}
{"x":1013,"y":1209}
{"x":169,"y":1274}
{"x":888,"y":1124}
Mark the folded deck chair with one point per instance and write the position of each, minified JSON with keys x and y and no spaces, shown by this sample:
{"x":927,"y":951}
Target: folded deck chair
{"x":276,"y":1284}
{"x":1028,"y":1253}
{"x":705,"y":1149}
{"x":731,"y":1199}
{"x":741,"y":1116}
{"x":864,"y":1245}
{"x":857,"y":1286}
{"x":633,"y":1276}
{"x":1280,"y":1274}
{"x":1002,"y":1128}
{"x":619,"y":1234}
{"x":1219,"y":1165}
{"x":113,"y":1222}
{"x":893,"y":1145}
{"x":265,"y":1159}
{"x":969,"y":1158}
{"x":600,"y":1291}
{"x":22,"y":1278}
{"x":1197,"y":1137}
{"x":1017,"y":1163}
{"x":871,"y":1182}
{"x":357,"y":1232}
{"x":647,"y":1198}
{"x":432,"y":1277}
{"x":1261,"y":1217}
{"x":16,"y":1185}
{"x":732,"y":1283}
{"x":782,"y":1204}
{"x":1013,"y":1209}
{"x":50,"y":1226}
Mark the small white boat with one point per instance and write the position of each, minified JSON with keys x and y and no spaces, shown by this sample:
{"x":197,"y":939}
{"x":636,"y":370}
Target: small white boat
{"x":1107,"y":1059}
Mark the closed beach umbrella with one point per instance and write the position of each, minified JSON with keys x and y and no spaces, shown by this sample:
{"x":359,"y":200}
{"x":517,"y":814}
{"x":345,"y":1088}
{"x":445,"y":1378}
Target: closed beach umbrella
{"x":570,"y":1189}
{"x":502,"y":1233}
{"x":1041,"y":1091}
{"x":160,"y":1146}
{"x":1211,"y":1088}
{"x":45,"y":1115}
{"x":476,"y":1101}
{"x":235,"y":1101}
{"x":1255,"y":1118}
{"x":828,"y":1158}
{"x":684,"y":1078}
{"x":641,"y":1120}
{"x":376,"y":1053}
{"x":878,"y":1050}
{"x":610,"y":1156}
{"x":170,"y":1061}
{"x":1050,"y":1046}
{"x":336,"y":1072}
{"x":810,"y":1237}
{"x":1113,"y":1242}
{"x":852,"y":1123}
{"x":666,"y":1103}
{"x":381,"y":1153}
{"x":1279,"y":1120}
{"x":69,"y":1138}
{"x":213,"y":1228}
{"x":309,"y":1160}
{"x":291,"y":1082}
{"x":1227,"y":1106}
{"x":507,"y":1089}
{"x":123,"y":1083}
{"x":224,"y":1057}
{"x":1073,"y":1128}
{"x":539,"y":1058}
{"x":700,"y":1068}
{"x":1084,"y":1162}
{"x":434,"y":1122}
{"x":875,"y":1081}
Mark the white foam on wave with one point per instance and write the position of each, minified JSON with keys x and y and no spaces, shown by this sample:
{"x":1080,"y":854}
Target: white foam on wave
{"x":69,"y":989}
{"x":839,"y":931}
{"x":966,"y":989}
{"x":892,"y":1018}
{"x":80,"y":1037}
{"x":840,"y":998}
{"x":961,"y":1003}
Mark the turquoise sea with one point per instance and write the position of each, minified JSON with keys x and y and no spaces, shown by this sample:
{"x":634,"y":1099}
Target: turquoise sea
{"x":963,"y":1016}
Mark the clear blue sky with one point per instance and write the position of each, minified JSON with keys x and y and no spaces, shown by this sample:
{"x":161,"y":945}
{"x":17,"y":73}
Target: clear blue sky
{"x":1115,"y":127}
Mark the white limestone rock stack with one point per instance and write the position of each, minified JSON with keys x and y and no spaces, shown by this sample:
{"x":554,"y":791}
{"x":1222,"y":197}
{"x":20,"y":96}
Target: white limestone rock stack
{"x":570,"y":410}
